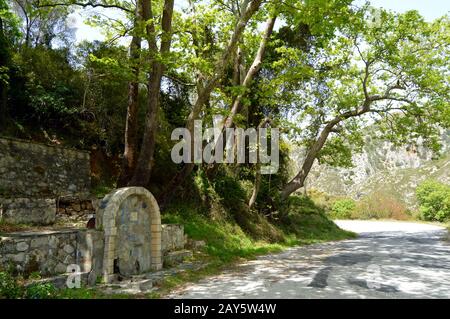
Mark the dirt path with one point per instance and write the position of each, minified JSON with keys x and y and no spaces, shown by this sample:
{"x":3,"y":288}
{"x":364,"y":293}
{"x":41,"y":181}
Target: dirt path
{"x":387,"y":260}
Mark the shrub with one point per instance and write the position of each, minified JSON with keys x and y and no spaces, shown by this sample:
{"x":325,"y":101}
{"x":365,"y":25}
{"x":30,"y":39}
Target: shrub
{"x":41,"y":291}
{"x":342,"y":209}
{"x":434,"y":201}
{"x":379,"y":205}
{"x":9,"y":287}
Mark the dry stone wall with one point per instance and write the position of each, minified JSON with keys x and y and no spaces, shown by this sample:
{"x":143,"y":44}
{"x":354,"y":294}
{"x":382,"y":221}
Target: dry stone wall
{"x":51,"y":252}
{"x":34,"y":176}
{"x":37,"y":170}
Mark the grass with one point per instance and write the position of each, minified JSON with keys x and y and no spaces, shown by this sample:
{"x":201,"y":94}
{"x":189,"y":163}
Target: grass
{"x":231,"y":239}
{"x":92,"y":293}
{"x":227,"y":244}
{"x":225,"y":240}
{"x":7,"y":227}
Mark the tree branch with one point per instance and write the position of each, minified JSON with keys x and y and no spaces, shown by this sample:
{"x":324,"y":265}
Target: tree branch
{"x":84,"y":5}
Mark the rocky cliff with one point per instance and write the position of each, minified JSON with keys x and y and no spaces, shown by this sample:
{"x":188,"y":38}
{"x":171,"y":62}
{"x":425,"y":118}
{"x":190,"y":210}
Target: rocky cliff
{"x":384,"y":168}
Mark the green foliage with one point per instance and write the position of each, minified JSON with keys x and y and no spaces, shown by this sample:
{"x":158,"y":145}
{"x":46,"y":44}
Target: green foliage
{"x":302,"y":217}
{"x":40,"y":291}
{"x":434,"y":200}
{"x":9,"y":287}
{"x":376,"y":205}
{"x":44,"y":87}
{"x":90,"y":293}
{"x":380,"y":205}
{"x":100,"y":191}
{"x":225,"y":240}
{"x":343,"y":209}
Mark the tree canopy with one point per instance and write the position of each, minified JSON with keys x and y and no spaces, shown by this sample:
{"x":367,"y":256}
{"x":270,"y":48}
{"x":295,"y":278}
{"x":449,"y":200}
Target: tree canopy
{"x":327,"y":73}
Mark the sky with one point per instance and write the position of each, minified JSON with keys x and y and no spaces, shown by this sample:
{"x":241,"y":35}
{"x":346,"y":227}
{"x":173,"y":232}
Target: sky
{"x":430,"y":9}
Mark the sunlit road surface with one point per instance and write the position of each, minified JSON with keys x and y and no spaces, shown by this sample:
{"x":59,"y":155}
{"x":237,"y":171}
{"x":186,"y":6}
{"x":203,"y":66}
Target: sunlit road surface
{"x":387,"y":260}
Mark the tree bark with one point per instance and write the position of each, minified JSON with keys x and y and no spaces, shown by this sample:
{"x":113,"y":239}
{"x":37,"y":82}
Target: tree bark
{"x":252,"y":71}
{"x":131,"y":125}
{"x":203,"y":95}
{"x":141,"y":176}
{"x":299,"y":180}
{"x":246,"y":80}
{"x":257,"y":183}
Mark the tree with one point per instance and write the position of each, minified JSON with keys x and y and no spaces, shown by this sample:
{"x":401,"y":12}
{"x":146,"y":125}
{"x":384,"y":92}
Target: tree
{"x":131,"y":127}
{"x":207,"y":83}
{"x":387,"y":69}
{"x":9,"y":33}
{"x":142,"y":171}
{"x":434,"y":200}
{"x":42,"y":23}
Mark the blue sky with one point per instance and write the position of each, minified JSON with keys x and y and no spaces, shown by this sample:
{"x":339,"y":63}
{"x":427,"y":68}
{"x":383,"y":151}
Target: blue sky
{"x":430,"y":9}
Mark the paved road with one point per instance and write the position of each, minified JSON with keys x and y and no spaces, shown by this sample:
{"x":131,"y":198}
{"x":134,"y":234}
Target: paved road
{"x":387,"y":260}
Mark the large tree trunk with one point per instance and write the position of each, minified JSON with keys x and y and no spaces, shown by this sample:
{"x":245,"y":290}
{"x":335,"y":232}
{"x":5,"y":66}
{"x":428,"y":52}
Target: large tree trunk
{"x":257,"y":184}
{"x":246,"y":80}
{"x":141,"y":176}
{"x":252,"y":71}
{"x":251,"y":7}
{"x":131,"y":125}
{"x":299,"y":180}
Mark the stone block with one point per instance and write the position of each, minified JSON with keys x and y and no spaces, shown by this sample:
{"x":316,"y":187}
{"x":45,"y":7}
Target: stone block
{"x":196,"y":244}
{"x":69,"y":249}
{"x":155,"y":228}
{"x":172,"y":237}
{"x":175,"y":257}
{"x":22,"y":246}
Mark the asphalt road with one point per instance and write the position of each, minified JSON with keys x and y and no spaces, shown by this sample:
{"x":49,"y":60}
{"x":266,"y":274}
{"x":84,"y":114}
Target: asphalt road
{"x":387,"y":260}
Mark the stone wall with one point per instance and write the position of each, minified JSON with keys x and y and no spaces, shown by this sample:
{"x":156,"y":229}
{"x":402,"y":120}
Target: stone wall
{"x":38,"y":170}
{"x":51,"y":252}
{"x":172,"y":237}
{"x":33,"y":176}
{"x":74,"y":211}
